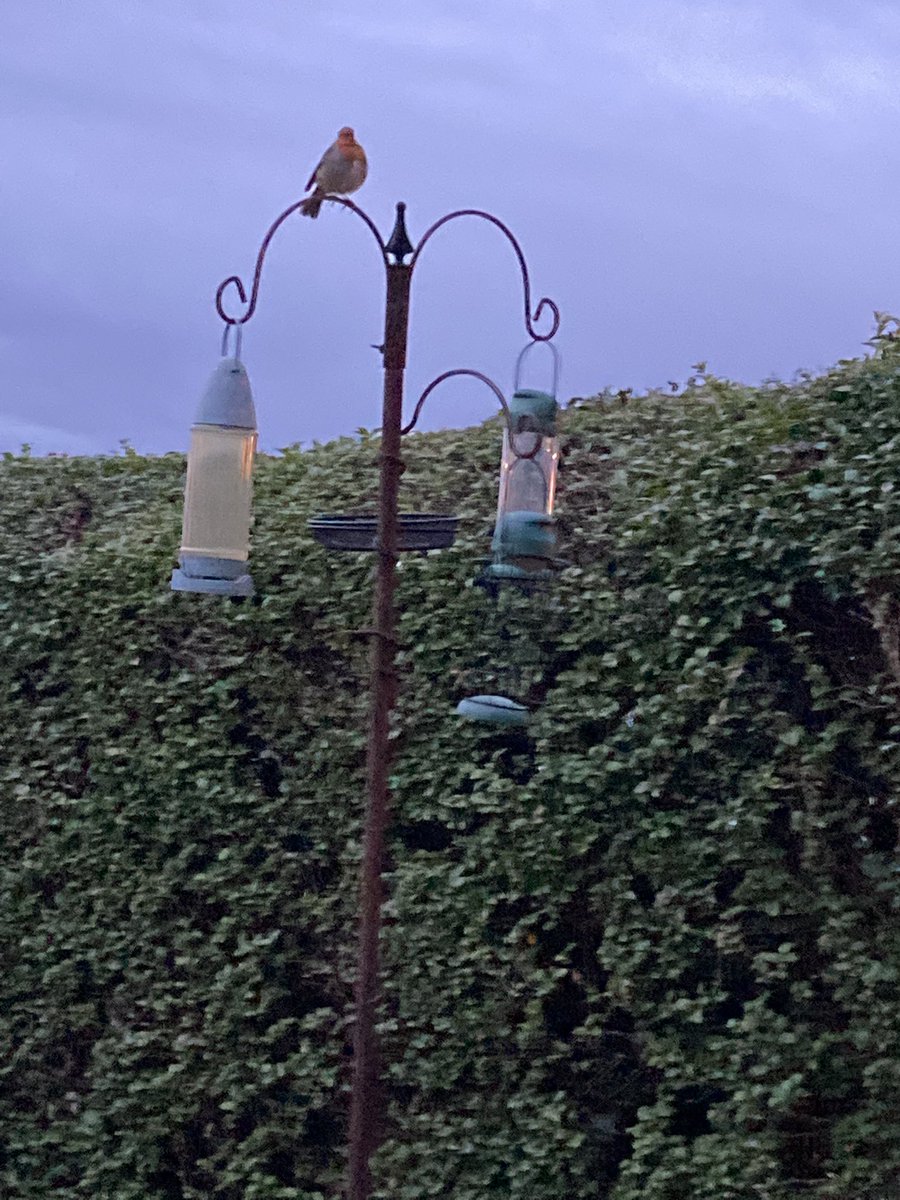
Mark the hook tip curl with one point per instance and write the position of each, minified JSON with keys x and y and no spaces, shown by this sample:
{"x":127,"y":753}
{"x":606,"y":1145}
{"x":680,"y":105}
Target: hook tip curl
{"x":545,"y":302}
{"x":242,"y":294}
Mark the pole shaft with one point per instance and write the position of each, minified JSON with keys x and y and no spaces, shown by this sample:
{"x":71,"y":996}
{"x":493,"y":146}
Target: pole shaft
{"x":366,"y":1099}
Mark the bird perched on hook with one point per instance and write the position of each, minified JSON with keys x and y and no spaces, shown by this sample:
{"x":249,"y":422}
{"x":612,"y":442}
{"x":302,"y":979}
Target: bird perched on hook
{"x":342,"y":169}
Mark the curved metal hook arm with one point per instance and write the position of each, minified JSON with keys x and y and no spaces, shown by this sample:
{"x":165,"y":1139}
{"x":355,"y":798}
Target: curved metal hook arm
{"x":420,"y":404}
{"x":544,"y":303}
{"x":270,"y":233}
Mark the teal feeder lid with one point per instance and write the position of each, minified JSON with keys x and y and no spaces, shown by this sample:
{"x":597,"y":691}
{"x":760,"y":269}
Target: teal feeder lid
{"x":531,"y":409}
{"x":495,"y":710}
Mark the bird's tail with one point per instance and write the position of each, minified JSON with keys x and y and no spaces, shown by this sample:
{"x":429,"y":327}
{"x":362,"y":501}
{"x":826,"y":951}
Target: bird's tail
{"x":311,"y":205}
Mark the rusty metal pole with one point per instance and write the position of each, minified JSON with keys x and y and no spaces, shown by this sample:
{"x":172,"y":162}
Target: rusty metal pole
{"x":366,"y":1096}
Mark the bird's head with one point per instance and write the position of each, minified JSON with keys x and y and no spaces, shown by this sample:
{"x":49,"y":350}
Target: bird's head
{"x":346,"y":135}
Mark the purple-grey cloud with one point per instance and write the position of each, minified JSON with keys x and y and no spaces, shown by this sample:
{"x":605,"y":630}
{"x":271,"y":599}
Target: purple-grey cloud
{"x":688,"y":180}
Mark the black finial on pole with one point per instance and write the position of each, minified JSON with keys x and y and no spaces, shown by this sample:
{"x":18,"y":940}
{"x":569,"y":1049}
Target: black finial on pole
{"x":398,"y":243}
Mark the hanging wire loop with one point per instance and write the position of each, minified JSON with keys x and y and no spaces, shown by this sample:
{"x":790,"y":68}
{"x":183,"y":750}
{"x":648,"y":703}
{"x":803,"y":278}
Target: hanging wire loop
{"x":523,"y":354}
{"x":544,"y":304}
{"x":420,"y":404}
{"x":260,"y":258}
{"x":238,"y":336}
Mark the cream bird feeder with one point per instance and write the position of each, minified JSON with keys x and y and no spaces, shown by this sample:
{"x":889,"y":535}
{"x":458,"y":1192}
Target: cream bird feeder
{"x":215,"y":540}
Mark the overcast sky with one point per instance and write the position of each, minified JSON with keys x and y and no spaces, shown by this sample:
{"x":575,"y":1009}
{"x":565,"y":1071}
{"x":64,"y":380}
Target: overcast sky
{"x":688,"y":181}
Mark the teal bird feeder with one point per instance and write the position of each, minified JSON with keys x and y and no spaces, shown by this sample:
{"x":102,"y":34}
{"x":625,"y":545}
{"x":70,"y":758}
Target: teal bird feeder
{"x":524,"y":541}
{"x":524,"y":534}
{"x":215,"y":540}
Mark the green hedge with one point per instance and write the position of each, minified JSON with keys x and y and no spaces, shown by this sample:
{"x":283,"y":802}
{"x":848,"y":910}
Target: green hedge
{"x":648,"y":951}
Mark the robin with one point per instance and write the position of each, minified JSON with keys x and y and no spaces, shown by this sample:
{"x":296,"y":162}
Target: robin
{"x":342,"y":169}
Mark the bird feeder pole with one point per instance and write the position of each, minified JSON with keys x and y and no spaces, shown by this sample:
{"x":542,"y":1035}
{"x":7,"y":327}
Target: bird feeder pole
{"x":366,"y":1107}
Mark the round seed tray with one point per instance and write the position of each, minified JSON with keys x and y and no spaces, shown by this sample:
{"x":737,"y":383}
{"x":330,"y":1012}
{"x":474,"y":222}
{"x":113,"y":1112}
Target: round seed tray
{"x":417,"y":531}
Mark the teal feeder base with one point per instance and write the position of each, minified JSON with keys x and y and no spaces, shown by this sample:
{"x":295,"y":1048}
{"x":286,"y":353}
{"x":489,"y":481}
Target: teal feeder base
{"x":518,"y":573}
